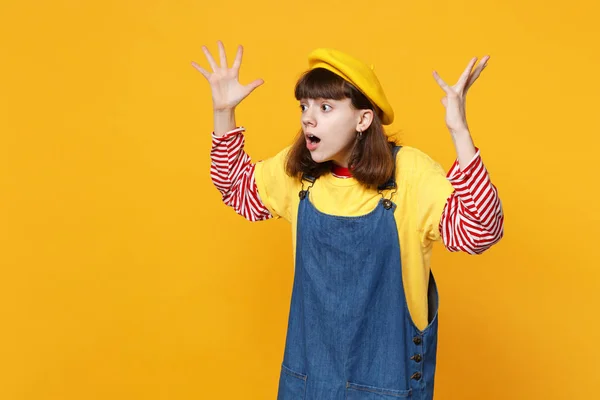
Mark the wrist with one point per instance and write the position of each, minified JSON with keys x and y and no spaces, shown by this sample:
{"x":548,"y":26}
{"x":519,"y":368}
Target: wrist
{"x":224,"y":110}
{"x":459,"y":133}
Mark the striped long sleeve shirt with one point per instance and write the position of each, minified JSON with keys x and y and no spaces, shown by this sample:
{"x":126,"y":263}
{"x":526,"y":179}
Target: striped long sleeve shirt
{"x":472,"y":220}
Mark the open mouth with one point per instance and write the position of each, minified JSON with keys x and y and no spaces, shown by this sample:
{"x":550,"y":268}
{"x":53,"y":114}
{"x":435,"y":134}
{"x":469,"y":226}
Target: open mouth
{"x":312,"y":138}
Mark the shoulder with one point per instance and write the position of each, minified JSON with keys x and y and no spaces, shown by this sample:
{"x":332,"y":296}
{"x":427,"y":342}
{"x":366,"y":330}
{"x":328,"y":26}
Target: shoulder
{"x":280,"y":157}
{"x":272,"y":171}
{"x":413,"y":159}
{"x":416,"y":169}
{"x":274,"y":164}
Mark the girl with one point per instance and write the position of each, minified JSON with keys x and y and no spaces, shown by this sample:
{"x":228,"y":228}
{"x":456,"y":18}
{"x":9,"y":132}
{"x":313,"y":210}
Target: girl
{"x":364,"y":215}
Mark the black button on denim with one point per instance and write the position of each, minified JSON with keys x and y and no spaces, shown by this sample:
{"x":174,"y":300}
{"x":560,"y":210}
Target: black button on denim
{"x":416,"y":358}
{"x":416,"y":376}
{"x":417,"y":340}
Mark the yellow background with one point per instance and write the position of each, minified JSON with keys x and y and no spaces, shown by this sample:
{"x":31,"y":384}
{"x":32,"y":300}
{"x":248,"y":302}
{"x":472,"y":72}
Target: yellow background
{"x":124,"y":277}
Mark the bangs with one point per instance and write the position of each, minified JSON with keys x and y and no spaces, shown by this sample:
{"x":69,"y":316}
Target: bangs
{"x":320,"y":83}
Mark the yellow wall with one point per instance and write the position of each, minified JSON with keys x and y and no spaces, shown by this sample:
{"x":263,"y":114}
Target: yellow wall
{"x":124,"y":277}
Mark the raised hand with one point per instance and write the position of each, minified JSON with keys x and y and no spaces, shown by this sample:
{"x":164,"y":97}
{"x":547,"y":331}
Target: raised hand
{"x":227,"y":92}
{"x":455,"y":99}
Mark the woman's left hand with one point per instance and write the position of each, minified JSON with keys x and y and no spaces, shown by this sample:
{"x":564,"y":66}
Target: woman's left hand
{"x":455,"y":99}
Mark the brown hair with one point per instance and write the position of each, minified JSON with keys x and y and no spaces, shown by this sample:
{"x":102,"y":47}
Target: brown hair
{"x":371,"y":159}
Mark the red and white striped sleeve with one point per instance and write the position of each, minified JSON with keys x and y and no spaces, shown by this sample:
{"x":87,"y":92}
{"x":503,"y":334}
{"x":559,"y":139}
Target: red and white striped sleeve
{"x":473,"y":219}
{"x":232,"y":172}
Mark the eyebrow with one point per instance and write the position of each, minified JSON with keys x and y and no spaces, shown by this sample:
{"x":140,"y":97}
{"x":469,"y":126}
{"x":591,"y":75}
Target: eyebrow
{"x":319,"y":99}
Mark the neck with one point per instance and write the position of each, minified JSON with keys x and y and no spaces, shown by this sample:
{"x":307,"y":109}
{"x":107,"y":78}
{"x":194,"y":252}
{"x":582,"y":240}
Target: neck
{"x":340,"y":171}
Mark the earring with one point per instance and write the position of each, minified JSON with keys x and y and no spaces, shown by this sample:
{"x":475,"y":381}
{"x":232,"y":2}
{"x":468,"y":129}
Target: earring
{"x":359,"y":135}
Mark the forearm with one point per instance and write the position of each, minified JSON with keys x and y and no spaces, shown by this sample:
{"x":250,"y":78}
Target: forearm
{"x":465,"y":149}
{"x":473,"y":219}
{"x":232,"y":172}
{"x":224,"y":121}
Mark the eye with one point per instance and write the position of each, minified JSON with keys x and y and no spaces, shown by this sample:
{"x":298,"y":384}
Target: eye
{"x":302,"y":107}
{"x":324,"y":107}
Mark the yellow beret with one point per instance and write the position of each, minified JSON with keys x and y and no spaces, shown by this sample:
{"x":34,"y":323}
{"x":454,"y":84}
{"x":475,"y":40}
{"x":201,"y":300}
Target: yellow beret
{"x":357,"y":73}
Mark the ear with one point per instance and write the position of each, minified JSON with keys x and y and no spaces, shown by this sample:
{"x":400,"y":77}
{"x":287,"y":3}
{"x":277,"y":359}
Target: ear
{"x":365,"y":120}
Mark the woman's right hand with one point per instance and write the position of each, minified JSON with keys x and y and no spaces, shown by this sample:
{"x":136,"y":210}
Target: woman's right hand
{"x":227,"y":92}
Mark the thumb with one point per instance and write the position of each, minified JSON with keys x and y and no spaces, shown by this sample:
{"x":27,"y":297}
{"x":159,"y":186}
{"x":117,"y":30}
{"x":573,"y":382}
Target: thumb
{"x":253,"y":85}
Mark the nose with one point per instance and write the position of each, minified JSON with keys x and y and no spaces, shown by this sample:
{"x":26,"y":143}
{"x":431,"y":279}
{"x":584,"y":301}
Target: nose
{"x":308,"y":118}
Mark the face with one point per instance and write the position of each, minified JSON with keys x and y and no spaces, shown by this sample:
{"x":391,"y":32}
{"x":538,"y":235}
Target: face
{"x":330,"y":128}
